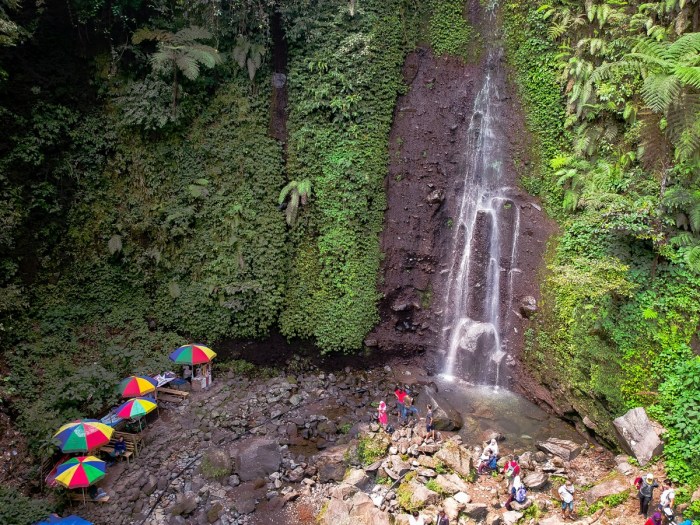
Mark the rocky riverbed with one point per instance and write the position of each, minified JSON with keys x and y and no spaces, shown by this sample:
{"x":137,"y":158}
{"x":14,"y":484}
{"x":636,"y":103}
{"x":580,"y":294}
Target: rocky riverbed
{"x":301,"y":447}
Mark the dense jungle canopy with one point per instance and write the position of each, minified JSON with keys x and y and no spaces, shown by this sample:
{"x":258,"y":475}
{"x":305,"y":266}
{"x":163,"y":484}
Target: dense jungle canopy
{"x":152,"y":193}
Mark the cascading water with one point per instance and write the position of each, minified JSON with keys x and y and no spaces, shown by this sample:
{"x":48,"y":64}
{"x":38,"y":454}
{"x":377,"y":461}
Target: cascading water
{"x":484,"y":245}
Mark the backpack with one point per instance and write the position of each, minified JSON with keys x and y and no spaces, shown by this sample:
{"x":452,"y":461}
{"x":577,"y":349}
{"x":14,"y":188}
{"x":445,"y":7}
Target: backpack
{"x":510,"y":471}
{"x":520,"y":494}
{"x":493,"y":462}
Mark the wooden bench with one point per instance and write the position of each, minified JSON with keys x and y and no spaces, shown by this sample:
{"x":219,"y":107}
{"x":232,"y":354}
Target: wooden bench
{"x":171,"y":395}
{"x":136,"y":439}
{"x":131,"y":449}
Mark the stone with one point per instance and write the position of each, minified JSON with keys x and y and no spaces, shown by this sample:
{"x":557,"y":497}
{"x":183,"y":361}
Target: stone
{"x":452,"y":508}
{"x":331,"y":472}
{"x":536,"y":480}
{"x":214,"y":512}
{"x":216,"y":464}
{"x":337,"y":511}
{"x":476,"y":511}
{"x":422,"y":496}
{"x":521,"y":506}
{"x":445,"y":417}
{"x":553,"y":520}
{"x":492,"y":518}
{"x":611,"y":487}
{"x":357,"y":478}
{"x":528,"y":306}
{"x":184,"y":504}
{"x":625,"y":469}
{"x":456,"y":457}
{"x":436,"y":197}
{"x":638,"y":436}
{"x":256,"y":458}
{"x":343,"y":491}
{"x":511,"y":517}
{"x":463,"y":498}
{"x":564,"y":448}
{"x":589,"y":423}
{"x":447,"y":486}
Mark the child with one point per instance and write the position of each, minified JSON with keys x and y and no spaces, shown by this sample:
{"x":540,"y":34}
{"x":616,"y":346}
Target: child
{"x":429,"y":427}
{"x":381,"y":414}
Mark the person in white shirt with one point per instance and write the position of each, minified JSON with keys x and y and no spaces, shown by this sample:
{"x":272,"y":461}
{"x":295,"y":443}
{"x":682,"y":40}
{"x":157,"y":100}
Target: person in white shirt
{"x":416,"y":519}
{"x":566,"y":493}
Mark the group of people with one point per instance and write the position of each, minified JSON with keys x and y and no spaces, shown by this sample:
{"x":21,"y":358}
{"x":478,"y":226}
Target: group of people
{"x":665,"y":510}
{"x":405,"y":408}
{"x":417,"y":519}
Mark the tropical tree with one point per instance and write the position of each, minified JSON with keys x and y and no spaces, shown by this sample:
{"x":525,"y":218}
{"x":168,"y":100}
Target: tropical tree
{"x":298,"y":194}
{"x":179,"y":51}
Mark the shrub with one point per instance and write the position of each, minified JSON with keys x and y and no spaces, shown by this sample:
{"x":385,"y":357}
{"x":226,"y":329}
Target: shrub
{"x":16,"y":509}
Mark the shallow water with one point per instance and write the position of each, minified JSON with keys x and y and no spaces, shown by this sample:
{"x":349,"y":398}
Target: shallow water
{"x":486,"y":408}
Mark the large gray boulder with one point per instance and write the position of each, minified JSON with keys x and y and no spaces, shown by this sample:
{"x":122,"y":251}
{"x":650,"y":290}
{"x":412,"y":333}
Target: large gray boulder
{"x":256,"y":458}
{"x":638,"y":436}
{"x":445,"y":417}
{"x":536,"y":480}
{"x":565,"y":449}
{"x":456,"y":457}
{"x":422,"y":496}
{"x":614,"y":486}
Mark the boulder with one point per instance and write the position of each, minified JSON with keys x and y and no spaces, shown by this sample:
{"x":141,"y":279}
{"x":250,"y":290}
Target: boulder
{"x":357,"y":478}
{"x":463,"y":497}
{"x":185,"y":504}
{"x":256,"y":458}
{"x":565,"y":449}
{"x":611,"y":487}
{"x":528,"y":306}
{"x":493,"y":518}
{"x":521,"y":506}
{"x":511,"y":517}
{"x":476,"y":511}
{"x":456,"y":457}
{"x":422,"y":496}
{"x":536,"y":480}
{"x":331,"y":471}
{"x":445,"y":417}
{"x":337,"y":511}
{"x":638,"y":436}
{"x":452,"y":508}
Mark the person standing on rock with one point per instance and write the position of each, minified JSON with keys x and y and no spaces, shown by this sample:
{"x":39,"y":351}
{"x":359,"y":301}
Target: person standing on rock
{"x":429,"y":425}
{"x":566,"y":493}
{"x":381,"y":414}
{"x":645,"y":486}
{"x":400,"y":394}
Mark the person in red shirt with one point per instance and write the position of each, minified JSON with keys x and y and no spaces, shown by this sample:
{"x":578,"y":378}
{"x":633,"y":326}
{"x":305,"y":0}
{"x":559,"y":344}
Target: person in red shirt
{"x":510,"y":470}
{"x":400,"y":394}
{"x":654,"y":520}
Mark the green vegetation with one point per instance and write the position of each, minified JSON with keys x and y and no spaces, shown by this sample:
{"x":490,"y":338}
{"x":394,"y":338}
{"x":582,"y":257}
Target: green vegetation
{"x":370,"y":448}
{"x":404,"y":494}
{"x":450,"y":34}
{"x":342,"y":91}
{"x":610,"y":97}
{"x":16,"y":509}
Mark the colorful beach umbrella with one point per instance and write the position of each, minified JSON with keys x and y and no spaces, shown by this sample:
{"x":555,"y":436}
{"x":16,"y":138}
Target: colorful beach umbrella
{"x":83,"y":435}
{"x":136,"y":407}
{"x":80,"y":472}
{"x":192,"y":355}
{"x":136,"y":386}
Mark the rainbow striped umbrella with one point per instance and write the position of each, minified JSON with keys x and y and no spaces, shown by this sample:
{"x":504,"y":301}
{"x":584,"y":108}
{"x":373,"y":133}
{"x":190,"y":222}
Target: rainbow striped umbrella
{"x":192,"y":355}
{"x":83,"y":435}
{"x":136,"y":386}
{"x":80,"y":472}
{"x":136,"y":407}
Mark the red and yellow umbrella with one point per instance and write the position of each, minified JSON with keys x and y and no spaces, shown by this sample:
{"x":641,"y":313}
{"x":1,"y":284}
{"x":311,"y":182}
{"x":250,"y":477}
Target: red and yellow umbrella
{"x":83,"y":435}
{"x":136,"y":407}
{"x":80,"y":472}
{"x":192,"y":355}
{"x":136,"y":386}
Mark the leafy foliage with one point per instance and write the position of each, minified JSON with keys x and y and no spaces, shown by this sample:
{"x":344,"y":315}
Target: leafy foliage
{"x":16,"y":509}
{"x":450,"y":34}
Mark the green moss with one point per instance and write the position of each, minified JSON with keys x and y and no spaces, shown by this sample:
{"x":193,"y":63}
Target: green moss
{"x":370,"y":448}
{"x":450,"y":34}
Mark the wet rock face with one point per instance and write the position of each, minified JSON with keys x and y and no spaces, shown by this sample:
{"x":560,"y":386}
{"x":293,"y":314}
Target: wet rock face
{"x":638,"y":435}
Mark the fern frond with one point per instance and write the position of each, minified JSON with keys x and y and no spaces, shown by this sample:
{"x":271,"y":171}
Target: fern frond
{"x":687,"y":44}
{"x":677,"y":197}
{"x":143,"y":34}
{"x":659,"y":90}
{"x":188,"y":64}
{"x":694,"y":217}
{"x":692,"y":258}
{"x":191,"y":34}
{"x":689,"y":75}
{"x":682,"y":239}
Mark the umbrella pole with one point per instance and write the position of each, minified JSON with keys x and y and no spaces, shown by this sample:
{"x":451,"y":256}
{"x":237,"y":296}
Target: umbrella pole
{"x":84,"y":497}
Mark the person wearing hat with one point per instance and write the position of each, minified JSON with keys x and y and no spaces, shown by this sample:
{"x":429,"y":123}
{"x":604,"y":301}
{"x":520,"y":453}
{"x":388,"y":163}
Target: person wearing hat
{"x":645,"y":485}
{"x":566,"y":493}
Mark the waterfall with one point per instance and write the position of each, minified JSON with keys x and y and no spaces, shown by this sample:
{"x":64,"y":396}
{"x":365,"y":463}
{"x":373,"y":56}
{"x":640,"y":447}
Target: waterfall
{"x":484,"y":244}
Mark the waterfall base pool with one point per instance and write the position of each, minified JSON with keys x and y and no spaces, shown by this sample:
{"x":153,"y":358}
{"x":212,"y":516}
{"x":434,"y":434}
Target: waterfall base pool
{"x":485,"y":408}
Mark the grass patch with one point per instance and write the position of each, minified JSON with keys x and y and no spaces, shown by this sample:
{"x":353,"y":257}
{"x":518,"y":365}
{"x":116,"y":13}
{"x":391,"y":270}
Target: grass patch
{"x":435,"y":487}
{"x":371,"y":448}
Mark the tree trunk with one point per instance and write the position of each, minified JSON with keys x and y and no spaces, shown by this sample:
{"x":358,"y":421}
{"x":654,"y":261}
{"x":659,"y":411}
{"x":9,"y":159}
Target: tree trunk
{"x":174,"y":89}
